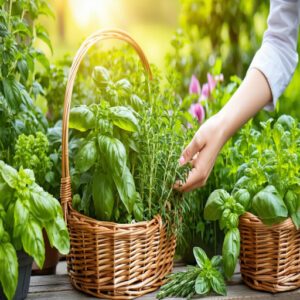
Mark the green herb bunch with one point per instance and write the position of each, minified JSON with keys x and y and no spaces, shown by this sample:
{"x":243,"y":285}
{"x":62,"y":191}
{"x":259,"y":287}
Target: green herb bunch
{"x":19,"y":87}
{"x":32,"y":152}
{"x":202,"y":279}
{"x":25,"y":210}
{"x":226,"y":209}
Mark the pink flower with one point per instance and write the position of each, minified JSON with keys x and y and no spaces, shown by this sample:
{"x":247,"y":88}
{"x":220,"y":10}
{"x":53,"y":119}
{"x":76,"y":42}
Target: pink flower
{"x":197,"y":111}
{"x":211,"y":82}
{"x":205,"y":92}
{"x":194,"y":87}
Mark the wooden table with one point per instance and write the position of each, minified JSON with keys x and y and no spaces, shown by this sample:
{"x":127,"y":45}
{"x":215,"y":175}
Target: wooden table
{"x":58,"y":287}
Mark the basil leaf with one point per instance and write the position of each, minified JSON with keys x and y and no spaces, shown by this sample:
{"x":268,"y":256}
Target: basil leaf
{"x":101,"y":77}
{"x":9,"y":269}
{"x":21,"y":214}
{"x":81,"y":118}
{"x":123,"y":84}
{"x":231,"y":251}
{"x":33,"y":241}
{"x":138,"y":208}
{"x":9,"y":174}
{"x":292,"y":202}
{"x":103,"y":195}
{"x":269,"y":206}
{"x":202,"y":285}
{"x":124,"y":118}
{"x":200,"y":256}
{"x":126,"y":188}
{"x":242,"y":196}
{"x":58,"y":234}
{"x":218,"y":284}
{"x":114,"y":154}
{"x":6,"y":193}
{"x":287,"y":122}
{"x":216,"y":261}
{"x":43,"y":205}
{"x":214,"y":205}
{"x":86,"y":157}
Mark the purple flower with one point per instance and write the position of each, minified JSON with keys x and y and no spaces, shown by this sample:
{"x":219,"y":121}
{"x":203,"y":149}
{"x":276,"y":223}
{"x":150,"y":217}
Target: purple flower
{"x":197,"y":111}
{"x":205,"y":92}
{"x":211,"y":82}
{"x":194,"y":87}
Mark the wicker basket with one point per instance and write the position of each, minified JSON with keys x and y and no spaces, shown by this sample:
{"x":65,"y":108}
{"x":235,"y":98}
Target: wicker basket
{"x":109,"y":260}
{"x":270,"y":255}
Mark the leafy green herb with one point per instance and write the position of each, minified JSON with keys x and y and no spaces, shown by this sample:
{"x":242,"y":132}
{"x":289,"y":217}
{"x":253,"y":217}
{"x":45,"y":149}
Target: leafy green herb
{"x":25,"y":209}
{"x":203,"y":279}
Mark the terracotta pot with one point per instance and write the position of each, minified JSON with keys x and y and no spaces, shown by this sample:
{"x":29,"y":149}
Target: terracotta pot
{"x":51,"y":259}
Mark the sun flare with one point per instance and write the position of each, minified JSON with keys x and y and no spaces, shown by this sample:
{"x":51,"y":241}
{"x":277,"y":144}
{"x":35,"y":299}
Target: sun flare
{"x":100,"y":12}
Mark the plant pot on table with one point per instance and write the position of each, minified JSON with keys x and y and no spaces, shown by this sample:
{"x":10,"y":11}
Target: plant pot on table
{"x":51,"y":259}
{"x":25,"y":264}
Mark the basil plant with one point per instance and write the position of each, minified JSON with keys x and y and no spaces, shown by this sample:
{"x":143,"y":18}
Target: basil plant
{"x":25,"y":210}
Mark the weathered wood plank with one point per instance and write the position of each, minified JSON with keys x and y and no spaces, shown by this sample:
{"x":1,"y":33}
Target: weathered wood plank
{"x":59,"y":287}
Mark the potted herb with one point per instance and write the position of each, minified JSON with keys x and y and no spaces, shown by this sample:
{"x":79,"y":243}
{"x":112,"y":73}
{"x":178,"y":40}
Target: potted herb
{"x":25,"y":210}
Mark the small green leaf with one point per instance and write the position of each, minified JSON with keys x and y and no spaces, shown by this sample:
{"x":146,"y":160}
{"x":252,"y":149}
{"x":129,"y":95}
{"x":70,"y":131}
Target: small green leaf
{"x":269,"y":206}
{"x":103,"y":195}
{"x":123,"y":84}
{"x":82,"y":118}
{"x":292,"y":202}
{"x":101,"y":77}
{"x":231,"y":251}
{"x":138,"y":208}
{"x":9,"y":269}
{"x":21,"y":214}
{"x":216,"y":261}
{"x":124,"y":118}
{"x":58,"y":234}
{"x":114,"y":153}
{"x":42,"y":34}
{"x":33,"y":241}
{"x":200,"y":256}
{"x":218,"y":284}
{"x":43,"y":205}
{"x":126,"y":188}
{"x":202,"y":285}
{"x":242,"y":196}
{"x":86,"y":156}
{"x":214,"y":205}
{"x":9,"y":174}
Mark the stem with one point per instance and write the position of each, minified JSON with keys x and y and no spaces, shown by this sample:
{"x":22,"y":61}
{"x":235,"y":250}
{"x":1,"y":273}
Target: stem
{"x":9,"y":14}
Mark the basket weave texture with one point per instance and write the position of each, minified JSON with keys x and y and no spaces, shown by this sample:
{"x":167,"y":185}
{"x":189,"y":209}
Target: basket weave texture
{"x":269,"y":255}
{"x":106,"y":259}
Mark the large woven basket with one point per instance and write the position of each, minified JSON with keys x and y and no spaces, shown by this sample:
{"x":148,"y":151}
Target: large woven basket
{"x":270,"y":255}
{"x":109,"y":260}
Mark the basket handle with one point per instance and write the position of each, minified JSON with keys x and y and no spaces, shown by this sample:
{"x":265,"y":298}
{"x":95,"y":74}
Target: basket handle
{"x":65,"y":191}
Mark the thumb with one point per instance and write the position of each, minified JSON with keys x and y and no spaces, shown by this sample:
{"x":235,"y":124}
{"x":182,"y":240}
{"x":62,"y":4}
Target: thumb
{"x":193,"y":147}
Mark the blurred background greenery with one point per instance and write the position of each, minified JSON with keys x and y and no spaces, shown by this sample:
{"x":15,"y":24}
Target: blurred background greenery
{"x":206,"y":29}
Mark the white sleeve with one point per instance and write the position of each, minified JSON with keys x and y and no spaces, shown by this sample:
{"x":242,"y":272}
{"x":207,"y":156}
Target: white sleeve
{"x":277,"y":58}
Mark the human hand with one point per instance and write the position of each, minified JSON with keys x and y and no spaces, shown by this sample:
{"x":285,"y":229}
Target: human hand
{"x":202,"y":152}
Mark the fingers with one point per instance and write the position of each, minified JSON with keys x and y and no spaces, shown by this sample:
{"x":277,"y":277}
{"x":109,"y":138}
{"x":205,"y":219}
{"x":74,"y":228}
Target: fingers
{"x":203,"y":164}
{"x":192,"y":149}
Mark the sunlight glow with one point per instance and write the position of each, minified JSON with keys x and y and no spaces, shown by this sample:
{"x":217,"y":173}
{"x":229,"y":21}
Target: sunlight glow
{"x":103,"y":13}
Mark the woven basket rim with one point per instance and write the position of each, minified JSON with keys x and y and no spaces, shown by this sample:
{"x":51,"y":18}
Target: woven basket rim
{"x":256,"y":221}
{"x":155,"y":220}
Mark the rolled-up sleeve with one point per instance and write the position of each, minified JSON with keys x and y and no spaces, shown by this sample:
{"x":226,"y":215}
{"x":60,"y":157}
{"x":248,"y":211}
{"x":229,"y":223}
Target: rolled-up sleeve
{"x":277,"y":57}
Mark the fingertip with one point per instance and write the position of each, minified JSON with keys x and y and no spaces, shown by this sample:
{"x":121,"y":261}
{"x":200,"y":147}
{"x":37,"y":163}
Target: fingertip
{"x":181,"y":160}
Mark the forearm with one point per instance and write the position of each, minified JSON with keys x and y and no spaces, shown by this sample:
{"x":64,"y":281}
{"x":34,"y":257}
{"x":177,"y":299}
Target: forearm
{"x":253,"y":94}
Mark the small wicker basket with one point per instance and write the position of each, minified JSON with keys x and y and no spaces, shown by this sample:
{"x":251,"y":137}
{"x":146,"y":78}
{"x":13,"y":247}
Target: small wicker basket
{"x":109,"y":260}
{"x":270,"y":255}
